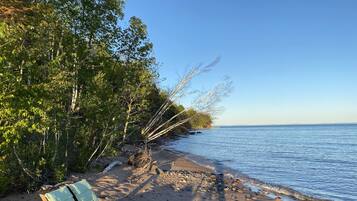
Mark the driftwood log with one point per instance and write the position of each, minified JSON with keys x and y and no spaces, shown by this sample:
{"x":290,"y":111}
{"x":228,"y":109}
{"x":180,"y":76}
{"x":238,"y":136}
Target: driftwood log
{"x":111,"y":165}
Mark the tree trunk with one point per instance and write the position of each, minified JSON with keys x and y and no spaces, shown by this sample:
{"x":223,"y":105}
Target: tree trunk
{"x":74,"y":97}
{"x":126,"y":125}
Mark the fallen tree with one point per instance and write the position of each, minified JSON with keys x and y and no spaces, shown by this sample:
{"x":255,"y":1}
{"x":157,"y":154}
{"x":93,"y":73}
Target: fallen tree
{"x":204,"y":103}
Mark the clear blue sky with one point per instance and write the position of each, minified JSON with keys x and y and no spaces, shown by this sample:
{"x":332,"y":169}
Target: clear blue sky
{"x":291,"y":61}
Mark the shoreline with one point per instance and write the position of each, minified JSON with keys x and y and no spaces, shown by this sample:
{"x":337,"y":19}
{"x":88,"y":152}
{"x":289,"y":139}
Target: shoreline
{"x":182,"y":177}
{"x":287,"y":193}
{"x":273,"y":190}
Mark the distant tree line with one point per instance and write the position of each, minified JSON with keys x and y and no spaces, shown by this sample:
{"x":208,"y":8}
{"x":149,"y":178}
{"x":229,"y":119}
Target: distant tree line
{"x":199,"y":120}
{"x":75,"y":84}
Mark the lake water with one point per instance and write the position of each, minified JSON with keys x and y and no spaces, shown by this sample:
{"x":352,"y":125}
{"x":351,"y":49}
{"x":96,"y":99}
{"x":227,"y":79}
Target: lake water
{"x":319,"y":160}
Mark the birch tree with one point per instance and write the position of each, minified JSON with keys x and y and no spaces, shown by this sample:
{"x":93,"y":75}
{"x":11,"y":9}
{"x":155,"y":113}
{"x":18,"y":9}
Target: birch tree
{"x":205,"y":102}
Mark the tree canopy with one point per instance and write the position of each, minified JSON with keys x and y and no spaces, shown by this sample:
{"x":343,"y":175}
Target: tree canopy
{"x":74,"y":85}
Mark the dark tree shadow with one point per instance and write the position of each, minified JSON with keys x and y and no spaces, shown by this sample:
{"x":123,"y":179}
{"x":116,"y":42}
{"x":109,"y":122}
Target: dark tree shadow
{"x":220,"y":185}
{"x":137,"y":189}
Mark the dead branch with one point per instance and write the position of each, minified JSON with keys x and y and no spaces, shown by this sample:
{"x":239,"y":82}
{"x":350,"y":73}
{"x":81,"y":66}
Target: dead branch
{"x":205,"y":102}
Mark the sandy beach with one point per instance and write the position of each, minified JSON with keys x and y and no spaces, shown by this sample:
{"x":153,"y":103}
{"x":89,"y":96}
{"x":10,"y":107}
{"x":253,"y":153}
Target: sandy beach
{"x":180,"y":179}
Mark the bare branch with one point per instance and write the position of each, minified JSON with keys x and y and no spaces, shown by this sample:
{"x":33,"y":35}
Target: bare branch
{"x":206,"y":102}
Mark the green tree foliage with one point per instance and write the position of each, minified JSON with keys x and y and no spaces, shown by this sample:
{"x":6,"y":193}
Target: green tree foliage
{"x":73,"y":86}
{"x":199,"y":120}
